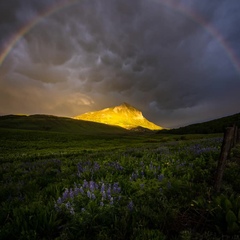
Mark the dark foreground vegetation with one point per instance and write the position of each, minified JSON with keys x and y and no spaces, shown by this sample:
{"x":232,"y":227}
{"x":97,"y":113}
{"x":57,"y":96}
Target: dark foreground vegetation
{"x":66,"y":185}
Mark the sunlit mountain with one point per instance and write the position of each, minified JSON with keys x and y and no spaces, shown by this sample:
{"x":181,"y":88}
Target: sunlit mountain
{"x":125,"y":116}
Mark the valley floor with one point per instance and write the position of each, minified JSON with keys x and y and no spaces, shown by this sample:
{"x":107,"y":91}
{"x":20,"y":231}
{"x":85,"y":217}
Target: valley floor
{"x":127,"y":186}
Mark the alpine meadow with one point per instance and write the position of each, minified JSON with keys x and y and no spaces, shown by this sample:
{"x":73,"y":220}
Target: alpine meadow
{"x":119,"y":120}
{"x":71,"y":179}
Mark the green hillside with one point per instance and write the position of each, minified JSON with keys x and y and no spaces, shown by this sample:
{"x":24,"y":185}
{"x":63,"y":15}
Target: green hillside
{"x":56,"y":124}
{"x":214,"y":126}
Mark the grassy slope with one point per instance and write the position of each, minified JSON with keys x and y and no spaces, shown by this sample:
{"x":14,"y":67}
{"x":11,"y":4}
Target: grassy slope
{"x":56,"y":124}
{"x":32,"y":147}
{"x":17,"y":144}
{"x":51,"y":136}
{"x":30,"y":175}
{"x":214,"y":126}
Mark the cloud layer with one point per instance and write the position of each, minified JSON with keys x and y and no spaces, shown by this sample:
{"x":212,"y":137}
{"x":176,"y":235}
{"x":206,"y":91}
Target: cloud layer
{"x":94,"y":54}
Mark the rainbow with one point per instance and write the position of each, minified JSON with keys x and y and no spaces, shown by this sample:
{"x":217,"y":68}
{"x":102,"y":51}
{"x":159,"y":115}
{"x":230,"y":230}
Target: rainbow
{"x":30,"y":25}
{"x":172,"y":4}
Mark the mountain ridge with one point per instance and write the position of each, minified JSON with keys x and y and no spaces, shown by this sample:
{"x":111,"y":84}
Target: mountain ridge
{"x":217,"y":125}
{"x":51,"y":123}
{"x":124,"y":115}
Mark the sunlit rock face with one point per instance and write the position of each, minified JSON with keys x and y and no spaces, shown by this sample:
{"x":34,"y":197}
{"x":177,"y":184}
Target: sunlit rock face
{"x":125,"y":116}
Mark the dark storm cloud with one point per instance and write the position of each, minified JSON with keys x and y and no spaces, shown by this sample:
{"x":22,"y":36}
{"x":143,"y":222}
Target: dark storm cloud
{"x":95,"y":54}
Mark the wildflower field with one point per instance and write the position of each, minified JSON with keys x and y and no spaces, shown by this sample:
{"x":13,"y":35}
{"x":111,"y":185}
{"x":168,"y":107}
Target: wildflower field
{"x":135,"y":186}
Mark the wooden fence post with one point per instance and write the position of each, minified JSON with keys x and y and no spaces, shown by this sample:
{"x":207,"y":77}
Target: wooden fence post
{"x":238,"y":136}
{"x":225,"y":150}
{"x":235,"y":136}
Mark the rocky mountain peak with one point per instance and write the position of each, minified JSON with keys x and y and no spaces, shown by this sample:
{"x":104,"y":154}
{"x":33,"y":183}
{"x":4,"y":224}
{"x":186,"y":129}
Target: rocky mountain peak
{"x":124,"y":115}
{"x":125,"y":107}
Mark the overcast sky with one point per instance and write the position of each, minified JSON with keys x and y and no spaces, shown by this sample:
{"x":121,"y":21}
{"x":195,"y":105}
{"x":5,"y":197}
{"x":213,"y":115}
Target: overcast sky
{"x":178,"y":64}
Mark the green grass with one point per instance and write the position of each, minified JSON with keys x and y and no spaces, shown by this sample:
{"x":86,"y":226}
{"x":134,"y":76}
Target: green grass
{"x":168,"y":178}
{"x":56,"y":124}
{"x":19,"y":143}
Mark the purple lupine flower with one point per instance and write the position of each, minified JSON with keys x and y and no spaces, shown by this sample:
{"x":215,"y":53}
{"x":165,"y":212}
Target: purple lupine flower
{"x":109,"y":190}
{"x":89,"y":194}
{"x":59,"y":201}
{"x":91,"y":186}
{"x":96,"y":166}
{"x":85,"y":183}
{"x":116,"y":188}
{"x":118,"y":166}
{"x":182,"y":164}
{"x":93,"y":196}
{"x":160,"y":177}
{"x":102,"y":188}
{"x":109,"y":196}
{"x":65,"y":194}
{"x":104,"y":195}
{"x":130,"y":205}
{"x":76,"y":190}
{"x":111,"y":201}
{"x":81,"y":190}
{"x":101,"y":204}
{"x":68,"y":205}
{"x":134,"y":176}
{"x":71,"y":193}
{"x":71,"y":210}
